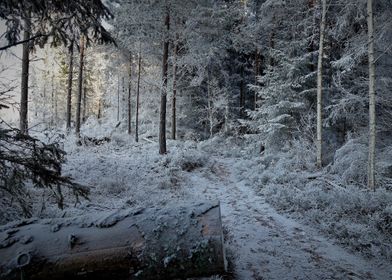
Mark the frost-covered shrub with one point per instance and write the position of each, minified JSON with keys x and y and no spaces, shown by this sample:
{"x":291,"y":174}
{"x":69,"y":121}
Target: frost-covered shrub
{"x":384,"y":167}
{"x":350,"y":162}
{"x":303,"y":154}
{"x":358,"y":219}
{"x":170,"y":179}
{"x":189,"y":160}
{"x":333,"y":199}
{"x":120,"y":139}
{"x":192,"y":135}
{"x":112,"y":185}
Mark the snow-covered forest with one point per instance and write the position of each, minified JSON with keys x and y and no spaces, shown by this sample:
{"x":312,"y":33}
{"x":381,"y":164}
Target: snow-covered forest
{"x":278,"y":113}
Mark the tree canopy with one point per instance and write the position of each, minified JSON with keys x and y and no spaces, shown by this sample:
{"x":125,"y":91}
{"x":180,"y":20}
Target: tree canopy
{"x":55,"y":21}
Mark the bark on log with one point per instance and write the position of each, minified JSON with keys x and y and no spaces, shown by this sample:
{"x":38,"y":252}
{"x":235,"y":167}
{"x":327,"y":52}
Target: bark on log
{"x":178,"y":242}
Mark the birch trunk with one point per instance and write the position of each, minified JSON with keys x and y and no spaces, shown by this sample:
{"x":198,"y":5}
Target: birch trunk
{"x":320,"y":85}
{"x":118,"y":99}
{"x":56,"y":117}
{"x":174,"y":98}
{"x":80,"y":86}
{"x":162,"y":122}
{"x":24,"y":96}
{"x":123,"y":97}
{"x":138,"y":97}
{"x":69,"y":89}
{"x":52,"y":99}
{"x":372,"y":99}
{"x":129,"y":95}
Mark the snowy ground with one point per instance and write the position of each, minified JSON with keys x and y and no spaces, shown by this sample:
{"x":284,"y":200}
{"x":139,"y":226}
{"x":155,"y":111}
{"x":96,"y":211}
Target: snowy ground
{"x":267,"y":245}
{"x":261,"y":243}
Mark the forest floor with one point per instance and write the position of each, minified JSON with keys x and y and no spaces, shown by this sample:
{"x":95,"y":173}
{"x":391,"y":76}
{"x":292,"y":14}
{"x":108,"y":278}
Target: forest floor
{"x":260,"y":242}
{"x":266,"y":245}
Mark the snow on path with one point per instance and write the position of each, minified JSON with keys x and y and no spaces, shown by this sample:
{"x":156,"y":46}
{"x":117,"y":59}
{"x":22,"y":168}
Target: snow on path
{"x":261,"y":243}
{"x":267,"y":245}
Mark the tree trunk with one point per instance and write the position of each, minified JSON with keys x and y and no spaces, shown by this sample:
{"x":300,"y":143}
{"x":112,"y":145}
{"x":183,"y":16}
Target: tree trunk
{"x":257,"y":74}
{"x":242,"y":93}
{"x":52,"y":100}
{"x":372,"y":99}
{"x":80,"y":86}
{"x":320,"y":85}
{"x":129,"y":95}
{"x":69,"y":89}
{"x":122,"y":98}
{"x":227,"y":114}
{"x":84,"y":114}
{"x":44,"y":109}
{"x":24,"y":96}
{"x":138,"y":97}
{"x":170,"y":243}
{"x":99,"y":113}
{"x":174,"y":98}
{"x":210,"y":109}
{"x":162,"y":122}
{"x":118,"y":98}
{"x":56,"y":117}
{"x":272,"y":46}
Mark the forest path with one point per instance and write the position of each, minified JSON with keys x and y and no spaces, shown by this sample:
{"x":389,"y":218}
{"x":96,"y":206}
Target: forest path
{"x":263,"y":244}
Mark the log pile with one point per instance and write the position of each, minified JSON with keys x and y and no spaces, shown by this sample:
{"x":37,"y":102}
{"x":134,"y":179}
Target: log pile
{"x":173,"y":242}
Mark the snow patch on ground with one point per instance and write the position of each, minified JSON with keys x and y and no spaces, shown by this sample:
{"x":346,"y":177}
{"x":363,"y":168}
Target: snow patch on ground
{"x":281,"y":241}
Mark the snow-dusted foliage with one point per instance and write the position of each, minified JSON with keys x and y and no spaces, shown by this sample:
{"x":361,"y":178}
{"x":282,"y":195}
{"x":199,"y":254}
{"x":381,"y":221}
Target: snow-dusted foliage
{"x":242,"y":90}
{"x":333,"y":201}
{"x":27,"y":163}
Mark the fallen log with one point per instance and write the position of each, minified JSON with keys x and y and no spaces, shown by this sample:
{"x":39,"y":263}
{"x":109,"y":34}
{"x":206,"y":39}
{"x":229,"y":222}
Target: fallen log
{"x":177,"y":242}
{"x":91,"y":141}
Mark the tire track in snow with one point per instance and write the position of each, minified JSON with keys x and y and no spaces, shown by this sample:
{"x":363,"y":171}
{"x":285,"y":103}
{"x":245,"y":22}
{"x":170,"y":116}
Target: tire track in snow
{"x":267,"y":245}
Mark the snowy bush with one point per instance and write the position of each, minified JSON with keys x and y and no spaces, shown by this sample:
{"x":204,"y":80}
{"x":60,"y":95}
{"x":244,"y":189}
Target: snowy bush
{"x":189,"y":160}
{"x":357,"y":219}
{"x":350,"y":162}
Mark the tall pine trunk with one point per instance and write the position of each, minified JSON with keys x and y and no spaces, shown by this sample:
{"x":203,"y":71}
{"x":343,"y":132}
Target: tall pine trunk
{"x":80,"y":86}
{"x":162,"y":121}
{"x":84,"y":114}
{"x":320,"y":85}
{"x":174,"y":98}
{"x":138,"y":97}
{"x":242,"y":93}
{"x":69,"y":89}
{"x":129,"y":95}
{"x":99,"y":113}
{"x":372,"y":99}
{"x":24,"y":96}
